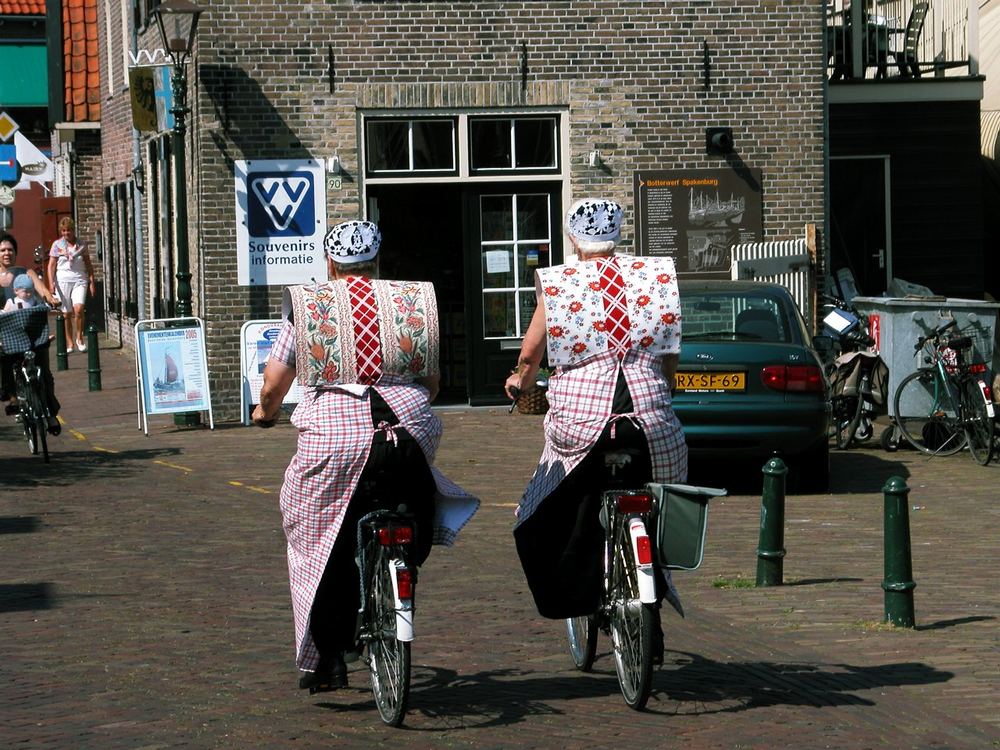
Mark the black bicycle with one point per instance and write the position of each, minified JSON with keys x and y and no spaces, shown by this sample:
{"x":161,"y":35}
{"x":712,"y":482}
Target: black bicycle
{"x":628,"y":608}
{"x":23,"y":332}
{"x":386,"y":541}
{"x":852,"y":372}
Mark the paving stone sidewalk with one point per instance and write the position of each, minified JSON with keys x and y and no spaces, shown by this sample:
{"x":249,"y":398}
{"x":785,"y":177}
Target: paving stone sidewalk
{"x":144,"y":604}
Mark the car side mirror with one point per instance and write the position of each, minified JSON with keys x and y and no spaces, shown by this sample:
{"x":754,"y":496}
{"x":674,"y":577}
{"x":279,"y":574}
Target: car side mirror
{"x":823,"y":343}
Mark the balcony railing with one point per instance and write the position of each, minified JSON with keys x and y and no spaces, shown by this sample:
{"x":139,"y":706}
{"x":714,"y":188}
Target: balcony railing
{"x":902,"y":39}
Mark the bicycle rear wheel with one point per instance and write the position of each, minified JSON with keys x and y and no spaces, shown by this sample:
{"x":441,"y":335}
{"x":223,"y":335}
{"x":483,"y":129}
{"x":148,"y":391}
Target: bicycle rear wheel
{"x":389,"y":658}
{"x":631,"y":623}
{"x":582,"y":633}
{"x":978,"y":423}
{"x":926,"y":416}
{"x":847,"y":415}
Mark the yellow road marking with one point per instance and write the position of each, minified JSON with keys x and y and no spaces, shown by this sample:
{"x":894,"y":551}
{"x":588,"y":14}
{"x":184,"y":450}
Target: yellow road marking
{"x":77,"y":435}
{"x":172,"y":466}
{"x":104,"y":450}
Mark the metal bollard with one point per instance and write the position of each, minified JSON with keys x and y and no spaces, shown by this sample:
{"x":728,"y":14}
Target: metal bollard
{"x":770,"y":548}
{"x":93,"y":359}
{"x":62,"y":358}
{"x":898,"y":583}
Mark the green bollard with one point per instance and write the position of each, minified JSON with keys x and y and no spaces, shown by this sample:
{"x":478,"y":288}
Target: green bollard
{"x":898,"y":583}
{"x":62,"y":358}
{"x":93,"y":359}
{"x":770,"y":548}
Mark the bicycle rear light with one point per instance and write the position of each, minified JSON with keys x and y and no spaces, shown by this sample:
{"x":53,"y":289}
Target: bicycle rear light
{"x":977,"y":369}
{"x":640,"y":503}
{"x":797,"y":378}
{"x":389,"y":535}
{"x":404,"y":583}
{"x":643,"y":550}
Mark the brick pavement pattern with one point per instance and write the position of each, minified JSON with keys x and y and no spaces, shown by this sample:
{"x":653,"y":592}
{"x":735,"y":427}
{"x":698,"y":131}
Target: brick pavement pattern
{"x":144,"y":604}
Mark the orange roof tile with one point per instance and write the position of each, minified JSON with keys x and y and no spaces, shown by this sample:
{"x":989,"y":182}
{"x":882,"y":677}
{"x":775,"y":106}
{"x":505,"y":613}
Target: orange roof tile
{"x":22,"y":8}
{"x":80,"y":60}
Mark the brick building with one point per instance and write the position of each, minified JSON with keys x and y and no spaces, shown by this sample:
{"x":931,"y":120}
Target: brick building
{"x":465,"y":130}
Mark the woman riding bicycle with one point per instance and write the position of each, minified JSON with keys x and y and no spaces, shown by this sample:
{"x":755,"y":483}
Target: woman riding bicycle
{"x":611,"y":326}
{"x":20,"y":325}
{"x":366,"y":353}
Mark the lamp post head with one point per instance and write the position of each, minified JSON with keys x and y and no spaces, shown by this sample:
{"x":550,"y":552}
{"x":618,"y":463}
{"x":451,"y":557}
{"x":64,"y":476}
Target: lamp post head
{"x":177,"y":21}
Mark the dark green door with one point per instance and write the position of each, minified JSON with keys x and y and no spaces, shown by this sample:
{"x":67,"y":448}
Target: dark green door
{"x":511,"y":230}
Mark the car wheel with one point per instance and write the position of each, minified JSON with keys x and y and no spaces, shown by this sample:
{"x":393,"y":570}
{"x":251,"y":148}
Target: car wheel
{"x":812,"y":470}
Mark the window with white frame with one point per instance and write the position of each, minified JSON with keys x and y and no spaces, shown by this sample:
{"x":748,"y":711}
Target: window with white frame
{"x":396,"y":146}
{"x":513,"y":144}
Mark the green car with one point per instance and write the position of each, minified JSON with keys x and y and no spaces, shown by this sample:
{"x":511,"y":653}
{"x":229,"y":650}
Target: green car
{"x":750,"y":384}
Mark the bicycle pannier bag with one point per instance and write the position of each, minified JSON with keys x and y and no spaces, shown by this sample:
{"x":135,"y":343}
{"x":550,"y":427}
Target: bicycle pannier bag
{"x":682,"y":521}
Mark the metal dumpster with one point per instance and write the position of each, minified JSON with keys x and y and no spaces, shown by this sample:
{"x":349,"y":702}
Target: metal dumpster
{"x":896,"y":323}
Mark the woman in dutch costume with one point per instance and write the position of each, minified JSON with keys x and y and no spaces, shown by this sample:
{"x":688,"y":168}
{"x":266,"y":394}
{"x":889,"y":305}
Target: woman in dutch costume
{"x":366,"y":353}
{"x":611,"y":327}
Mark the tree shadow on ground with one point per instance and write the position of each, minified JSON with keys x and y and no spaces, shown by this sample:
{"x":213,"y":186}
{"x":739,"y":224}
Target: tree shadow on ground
{"x":72,"y":467}
{"x":687,"y":684}
{"x":852,"y":471}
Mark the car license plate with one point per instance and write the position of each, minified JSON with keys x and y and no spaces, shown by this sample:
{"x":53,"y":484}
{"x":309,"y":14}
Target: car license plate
{"x":711,"y":381}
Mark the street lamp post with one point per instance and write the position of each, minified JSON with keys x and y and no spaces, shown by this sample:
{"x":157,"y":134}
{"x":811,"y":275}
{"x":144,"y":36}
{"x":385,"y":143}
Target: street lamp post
{"x":177,"y":21}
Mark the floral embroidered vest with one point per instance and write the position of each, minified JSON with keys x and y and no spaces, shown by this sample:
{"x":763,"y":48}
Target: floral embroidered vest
{"x":324,"y":331}
{"x":575,"y":314}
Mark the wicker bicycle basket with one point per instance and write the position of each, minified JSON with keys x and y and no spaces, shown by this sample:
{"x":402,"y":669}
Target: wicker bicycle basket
{"x":533,"y":402}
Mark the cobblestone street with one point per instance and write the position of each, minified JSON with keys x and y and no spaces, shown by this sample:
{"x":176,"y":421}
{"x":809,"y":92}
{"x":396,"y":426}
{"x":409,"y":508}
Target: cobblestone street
{"x":144,"y":604}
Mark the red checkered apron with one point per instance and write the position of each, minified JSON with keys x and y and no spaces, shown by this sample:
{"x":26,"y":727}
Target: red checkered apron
{"x":616,"y":323}
{"x":364,"y":312}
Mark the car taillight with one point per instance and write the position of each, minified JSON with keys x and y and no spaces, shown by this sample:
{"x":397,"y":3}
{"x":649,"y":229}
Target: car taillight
{"x":389,"y":535}
{"x":404,"y":583}
{"x":799,"y":378}
{"x":634,"y":503}
{"x":977,"y":369}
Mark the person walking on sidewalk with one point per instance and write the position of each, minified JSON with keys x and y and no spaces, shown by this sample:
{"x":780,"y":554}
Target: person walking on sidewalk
{"x":72,"y":273}
{"x":611,"y":327}
{"x":366,"y":352}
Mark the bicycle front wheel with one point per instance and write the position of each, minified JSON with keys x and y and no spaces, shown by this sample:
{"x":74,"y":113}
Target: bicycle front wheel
{"x":389,"y":658}
{"x":36,"y":406}
{"x":927,"y":416}
{"x":977,"y":422}
{"x":30,"y":431}
{"x":631,"y":624}
{"x":582,"y":633}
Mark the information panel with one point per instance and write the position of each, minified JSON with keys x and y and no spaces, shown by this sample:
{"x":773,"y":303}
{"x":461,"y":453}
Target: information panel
{"x":696,"y":215}
{"x":257,"y":337}
{"x":172,"y":367}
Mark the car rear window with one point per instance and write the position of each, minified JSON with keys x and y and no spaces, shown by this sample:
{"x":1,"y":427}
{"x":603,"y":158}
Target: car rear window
{"x":734,"y":316}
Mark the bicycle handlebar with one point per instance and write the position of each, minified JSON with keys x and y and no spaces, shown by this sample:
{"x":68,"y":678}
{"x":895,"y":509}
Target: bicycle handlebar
{"x":935,"y":334}
{"x":516,"y":392}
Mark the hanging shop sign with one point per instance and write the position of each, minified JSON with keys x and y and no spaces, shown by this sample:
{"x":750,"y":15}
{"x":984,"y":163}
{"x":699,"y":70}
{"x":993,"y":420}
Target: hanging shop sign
{"x":280,"y":221}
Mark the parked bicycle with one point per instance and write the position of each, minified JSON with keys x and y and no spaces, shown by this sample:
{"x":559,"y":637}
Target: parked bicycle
{"x":946,"y":404}
{"x":388,"y":588}
{"x":857,"y":375}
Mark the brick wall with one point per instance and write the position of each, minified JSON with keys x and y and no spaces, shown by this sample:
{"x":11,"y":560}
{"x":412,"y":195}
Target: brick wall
{"x":630,"y":73}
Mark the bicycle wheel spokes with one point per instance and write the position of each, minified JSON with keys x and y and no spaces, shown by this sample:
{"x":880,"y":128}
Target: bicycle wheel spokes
{"x":927,"y":416}
{"x":631,"y":625}
{"x":582,"y":633}
{"x":389,"y":661}
{"x":978,"y":423}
